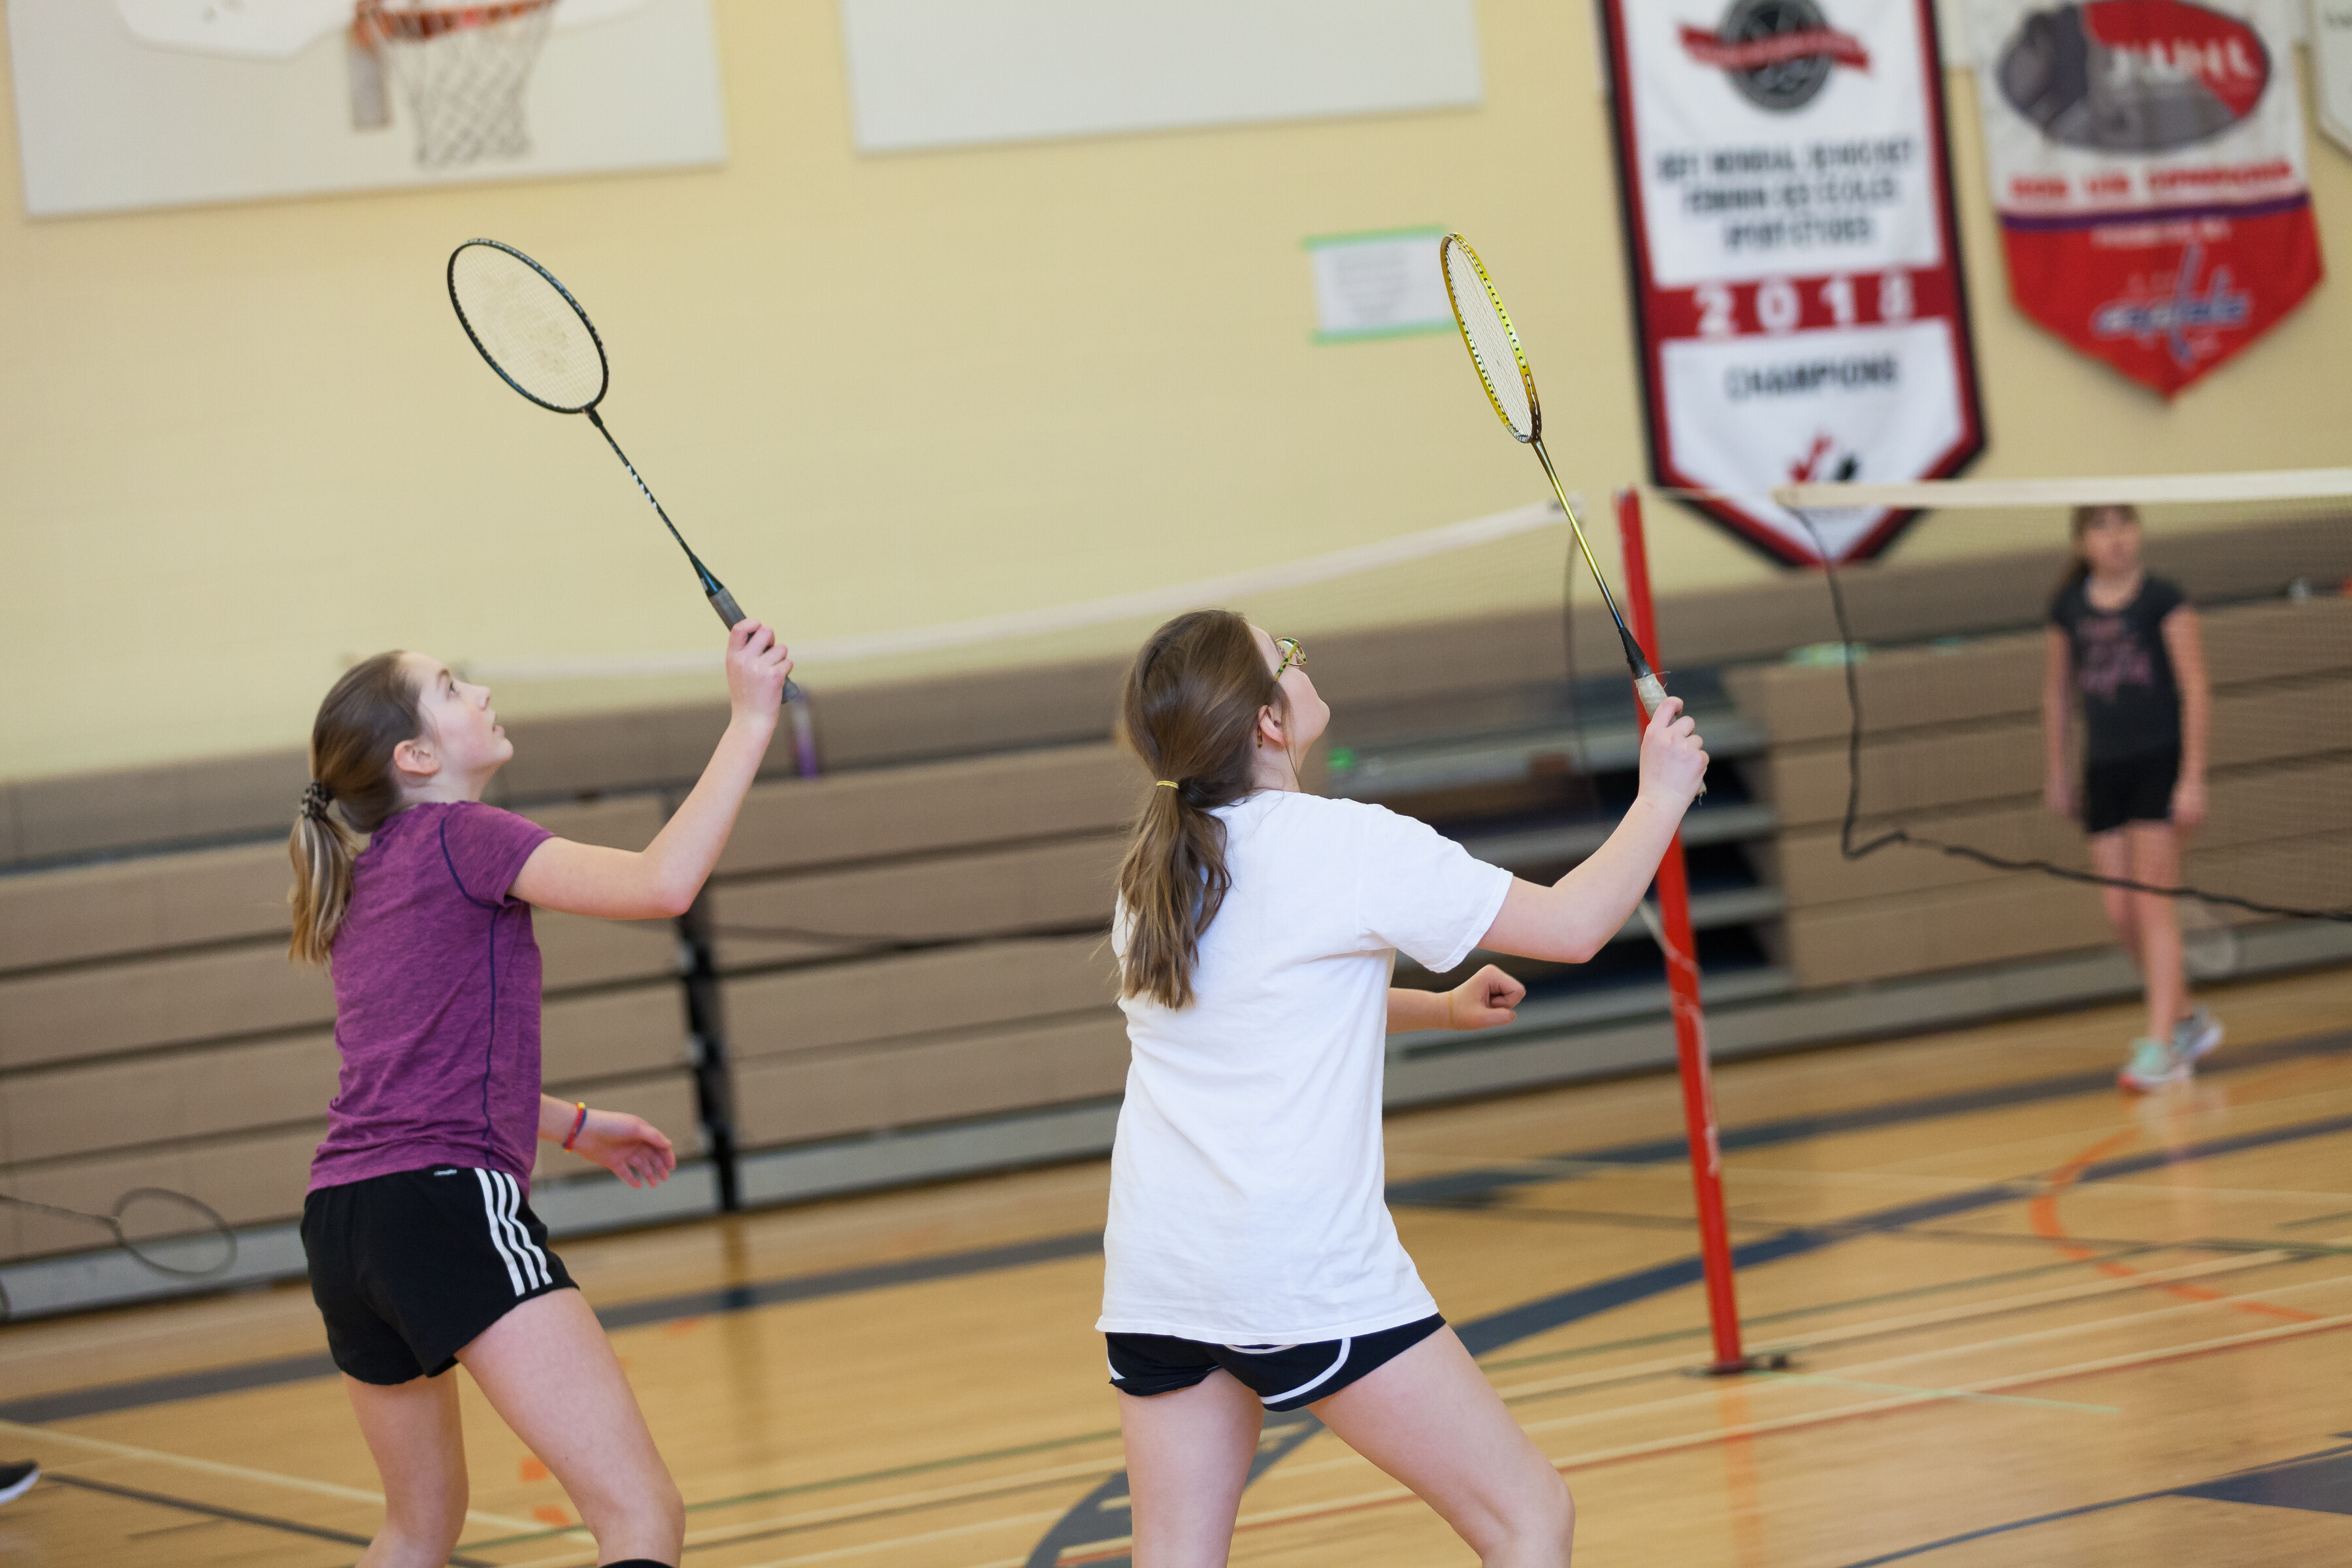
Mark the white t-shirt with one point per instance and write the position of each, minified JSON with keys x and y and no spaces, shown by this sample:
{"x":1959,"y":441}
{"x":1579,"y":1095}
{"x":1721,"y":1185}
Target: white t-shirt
{"x":1245,"y":1192}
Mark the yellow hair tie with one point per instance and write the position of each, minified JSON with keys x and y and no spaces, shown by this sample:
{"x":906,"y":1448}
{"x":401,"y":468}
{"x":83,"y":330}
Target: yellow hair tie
{"x":1166,"y":784}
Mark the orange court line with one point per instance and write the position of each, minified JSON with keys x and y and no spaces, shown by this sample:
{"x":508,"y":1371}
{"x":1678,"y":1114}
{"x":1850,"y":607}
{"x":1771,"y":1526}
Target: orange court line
{"x":2043,"y":1213}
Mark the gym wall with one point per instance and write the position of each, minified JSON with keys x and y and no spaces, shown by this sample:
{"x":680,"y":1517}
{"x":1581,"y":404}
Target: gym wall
{"x":242,"y":445}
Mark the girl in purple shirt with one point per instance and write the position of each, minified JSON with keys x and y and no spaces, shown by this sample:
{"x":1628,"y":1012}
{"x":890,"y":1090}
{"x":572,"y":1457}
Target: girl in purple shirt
{"x":423,"y":1249}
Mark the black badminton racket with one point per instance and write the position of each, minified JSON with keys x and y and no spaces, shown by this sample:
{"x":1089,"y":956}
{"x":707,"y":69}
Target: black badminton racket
{"x":538,"y":338}
{"x":167,"y":1232}
{"x":1502,"y":366}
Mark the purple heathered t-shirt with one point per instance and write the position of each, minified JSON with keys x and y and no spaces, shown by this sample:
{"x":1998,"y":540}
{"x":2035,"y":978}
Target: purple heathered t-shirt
{"x":436,"y":1001}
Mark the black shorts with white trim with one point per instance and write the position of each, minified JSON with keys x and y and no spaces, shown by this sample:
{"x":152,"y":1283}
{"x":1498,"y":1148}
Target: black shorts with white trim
{"x":409,"y":1268}
{"x":1284,"y":1377}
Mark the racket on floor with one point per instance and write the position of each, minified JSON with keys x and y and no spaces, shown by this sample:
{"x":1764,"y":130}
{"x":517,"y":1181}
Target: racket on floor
{"x":532,"y":331}
{"x":1502,"y":366}
{"x":167,"y":1232}
{"x":2209,"y":945}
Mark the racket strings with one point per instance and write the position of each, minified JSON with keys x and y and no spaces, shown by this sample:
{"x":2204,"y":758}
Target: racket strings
{"x":1493,"y":345}
{"x":164,"y":1231}
{"x":527,"y":328}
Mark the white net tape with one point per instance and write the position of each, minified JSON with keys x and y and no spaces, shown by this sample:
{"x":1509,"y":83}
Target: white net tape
{"x":463,"y":69}
{"x":1463,"y":541}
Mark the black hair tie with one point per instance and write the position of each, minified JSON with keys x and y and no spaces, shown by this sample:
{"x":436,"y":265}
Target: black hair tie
{"x":315,"y":796}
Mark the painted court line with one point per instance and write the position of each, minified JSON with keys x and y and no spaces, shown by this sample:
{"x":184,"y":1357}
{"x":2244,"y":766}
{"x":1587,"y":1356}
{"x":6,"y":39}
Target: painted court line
{"x":47,"y":1437}
{"x":1669,"y":1367}
{"x":233,"y":1516}
{"x":1827,"y":1380}
{"x":1957,"y":1314}
{"x":574,"y":1559}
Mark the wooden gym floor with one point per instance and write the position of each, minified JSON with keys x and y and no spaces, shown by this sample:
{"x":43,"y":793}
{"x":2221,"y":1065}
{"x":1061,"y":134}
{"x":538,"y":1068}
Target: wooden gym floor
{"x":2032,"y":1320}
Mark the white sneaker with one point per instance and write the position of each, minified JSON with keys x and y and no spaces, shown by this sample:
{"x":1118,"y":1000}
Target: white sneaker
{"x":2195,"y":1035}
{"x":2153,"y":1064}
{"x":16,"y":1480}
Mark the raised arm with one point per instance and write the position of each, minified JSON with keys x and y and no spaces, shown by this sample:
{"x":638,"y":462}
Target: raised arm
{"x":2057,"y":702}
{"x":2185,"y":641}
{"x":664,"y":878}
{"x":1575,"y":917}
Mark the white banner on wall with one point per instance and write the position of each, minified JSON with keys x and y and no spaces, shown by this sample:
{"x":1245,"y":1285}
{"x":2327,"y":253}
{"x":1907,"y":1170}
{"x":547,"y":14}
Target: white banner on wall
{"x":1788,"y":196}
{"x":2330,"y":34}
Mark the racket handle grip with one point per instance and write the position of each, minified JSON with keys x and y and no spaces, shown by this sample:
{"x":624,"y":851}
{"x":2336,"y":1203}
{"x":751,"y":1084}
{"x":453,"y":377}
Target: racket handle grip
{"x":729,"y":612}
{"x":1652,"y":693}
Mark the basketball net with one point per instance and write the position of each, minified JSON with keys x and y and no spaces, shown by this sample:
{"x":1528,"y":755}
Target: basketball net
{"x":463,"y":69}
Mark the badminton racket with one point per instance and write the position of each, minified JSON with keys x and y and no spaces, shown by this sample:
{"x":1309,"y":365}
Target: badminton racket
{"x":167,"y":1232}
{"x":529,"y":329}
{"x":2211,"y":948}
{"x":1502,"y":366}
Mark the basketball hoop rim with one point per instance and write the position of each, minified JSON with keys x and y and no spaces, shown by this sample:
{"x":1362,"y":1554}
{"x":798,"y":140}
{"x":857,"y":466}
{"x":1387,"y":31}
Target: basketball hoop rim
{"x":375,"y":21}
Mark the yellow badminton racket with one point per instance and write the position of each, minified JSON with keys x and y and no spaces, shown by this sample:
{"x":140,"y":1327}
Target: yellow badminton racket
{"x":1511,"y":388}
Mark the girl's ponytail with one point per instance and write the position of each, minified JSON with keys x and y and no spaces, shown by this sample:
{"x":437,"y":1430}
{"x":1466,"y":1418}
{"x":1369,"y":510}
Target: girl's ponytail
{"x":369,"y":711}
{"x":1189,"y":710}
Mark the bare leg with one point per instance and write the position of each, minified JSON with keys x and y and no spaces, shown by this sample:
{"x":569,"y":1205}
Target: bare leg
{"x":1188,"y":1456}
{"x":1431,"y":1419}
{"x":420,"y":1451}
{"x":549,"y":1371}
{"x":2111,"y":857}
{"x":2155,"y":861}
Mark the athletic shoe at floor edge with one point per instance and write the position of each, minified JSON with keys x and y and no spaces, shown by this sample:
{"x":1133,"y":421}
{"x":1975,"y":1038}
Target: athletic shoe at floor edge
{"x":2196,"y":1035}
{"x":2153,"y":1064}
{"x":16,"y":1480}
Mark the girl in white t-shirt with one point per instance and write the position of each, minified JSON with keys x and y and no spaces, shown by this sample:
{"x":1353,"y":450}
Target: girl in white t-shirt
{"x":1250,"y":1262}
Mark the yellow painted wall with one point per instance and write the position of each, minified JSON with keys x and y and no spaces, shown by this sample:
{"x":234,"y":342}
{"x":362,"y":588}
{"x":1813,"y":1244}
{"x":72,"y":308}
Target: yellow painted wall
{"x":240,"y":445}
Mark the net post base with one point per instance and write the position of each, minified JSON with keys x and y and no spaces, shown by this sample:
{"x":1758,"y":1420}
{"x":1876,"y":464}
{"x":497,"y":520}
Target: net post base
{"x":1758,"y":1360}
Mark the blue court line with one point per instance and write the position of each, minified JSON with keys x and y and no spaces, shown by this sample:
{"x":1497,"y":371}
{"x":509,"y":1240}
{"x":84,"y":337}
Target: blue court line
{"x":1859,"y":1119}
{"x":108,"y":1398}
{"x":2238,"y":1481}
{"x":232,"y":1515}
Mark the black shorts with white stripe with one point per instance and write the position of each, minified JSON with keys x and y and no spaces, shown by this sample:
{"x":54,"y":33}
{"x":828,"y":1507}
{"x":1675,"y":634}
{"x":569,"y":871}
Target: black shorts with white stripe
{"x":409,"y":1268}
{"x":1284,"y":1377}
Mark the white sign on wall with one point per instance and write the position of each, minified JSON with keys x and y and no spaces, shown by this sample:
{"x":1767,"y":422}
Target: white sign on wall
{"x":951,"y":73}
{"x":2331,"y":67}
{"x":1384,"y":284}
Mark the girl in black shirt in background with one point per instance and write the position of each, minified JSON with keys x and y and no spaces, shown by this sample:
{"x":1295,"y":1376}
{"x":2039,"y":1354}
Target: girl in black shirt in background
{"x":2126,"y":645}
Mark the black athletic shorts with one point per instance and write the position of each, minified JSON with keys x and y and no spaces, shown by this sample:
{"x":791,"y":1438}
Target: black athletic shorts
{"x":409,"y":1268}
{"x":2129,"y":789}
{"x":1284,"y":1377}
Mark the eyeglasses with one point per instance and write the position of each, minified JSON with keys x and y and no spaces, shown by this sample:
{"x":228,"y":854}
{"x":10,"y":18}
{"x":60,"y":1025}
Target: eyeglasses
{"x":1294,"y":655}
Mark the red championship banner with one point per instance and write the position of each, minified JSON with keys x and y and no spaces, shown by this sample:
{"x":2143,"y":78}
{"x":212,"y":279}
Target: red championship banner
{"x":1788,"y":197}
{"x":2146,"y":160}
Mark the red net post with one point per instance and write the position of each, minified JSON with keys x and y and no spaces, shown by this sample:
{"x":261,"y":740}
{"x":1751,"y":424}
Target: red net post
{"x":1681,"y":984}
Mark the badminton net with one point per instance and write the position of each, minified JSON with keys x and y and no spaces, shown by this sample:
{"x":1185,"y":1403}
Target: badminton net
{"x":1920,"y":719}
